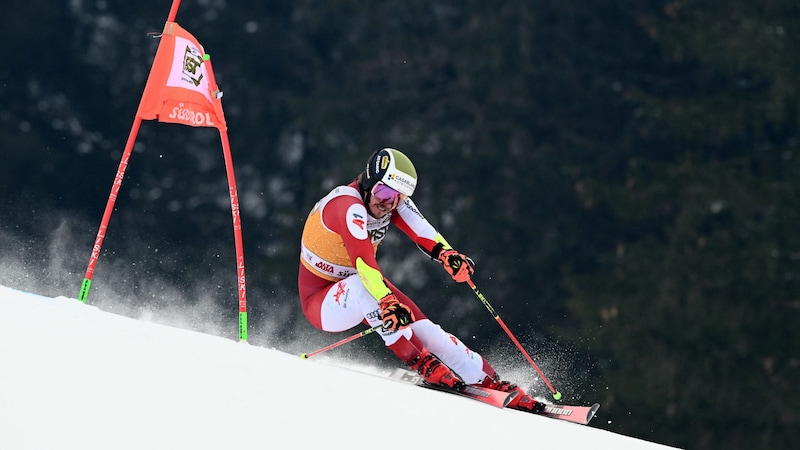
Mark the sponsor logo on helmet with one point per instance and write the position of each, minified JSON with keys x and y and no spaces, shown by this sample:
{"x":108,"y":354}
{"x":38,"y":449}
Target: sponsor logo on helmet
{"x":384,"y":162}
{"x":399,"y":178}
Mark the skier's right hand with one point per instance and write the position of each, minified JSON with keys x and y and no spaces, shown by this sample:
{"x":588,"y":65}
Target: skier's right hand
{"x":459,"y":266}
{"x":395,"y":315}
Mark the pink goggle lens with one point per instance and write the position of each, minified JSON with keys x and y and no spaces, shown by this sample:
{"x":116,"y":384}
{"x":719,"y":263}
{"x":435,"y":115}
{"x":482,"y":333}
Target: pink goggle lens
{"x":385,"y":194}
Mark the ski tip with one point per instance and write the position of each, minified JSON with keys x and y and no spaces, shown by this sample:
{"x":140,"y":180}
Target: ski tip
{"x":592,"y":412}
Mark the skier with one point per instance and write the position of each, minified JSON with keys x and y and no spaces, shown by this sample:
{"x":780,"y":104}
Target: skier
{"x":341,"y":284}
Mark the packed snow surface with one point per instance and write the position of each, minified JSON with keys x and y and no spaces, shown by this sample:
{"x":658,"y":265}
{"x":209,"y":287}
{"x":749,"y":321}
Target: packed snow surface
{"x":75,"y":377}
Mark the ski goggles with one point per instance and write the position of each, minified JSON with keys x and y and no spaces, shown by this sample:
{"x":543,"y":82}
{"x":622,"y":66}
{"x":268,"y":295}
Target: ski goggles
{"x":386,"y":195}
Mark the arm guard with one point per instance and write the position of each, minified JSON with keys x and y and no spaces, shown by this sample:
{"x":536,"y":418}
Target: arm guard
{"x":372,"y":280}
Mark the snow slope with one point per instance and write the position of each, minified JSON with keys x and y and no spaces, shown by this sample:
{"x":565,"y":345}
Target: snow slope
{"x":75,"y":377}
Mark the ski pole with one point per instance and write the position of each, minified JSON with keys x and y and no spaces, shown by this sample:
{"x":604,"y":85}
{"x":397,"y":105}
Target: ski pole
{"x":343,"y":341}
{"x":556,"y":394}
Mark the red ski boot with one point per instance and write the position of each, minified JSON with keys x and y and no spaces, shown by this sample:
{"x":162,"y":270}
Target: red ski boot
{"x":435,"y":371}
{"x":522,"y":401}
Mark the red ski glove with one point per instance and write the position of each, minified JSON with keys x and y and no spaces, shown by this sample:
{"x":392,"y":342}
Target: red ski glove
{"x":395,"y":315}
{"x":459,"y":266}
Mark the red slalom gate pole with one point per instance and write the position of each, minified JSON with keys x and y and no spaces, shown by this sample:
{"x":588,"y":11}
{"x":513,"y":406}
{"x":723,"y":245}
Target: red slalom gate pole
{"x":556,"y":394}
{"x":112,"y":197}
{"x":237,"y":235}
{"x":173,"y":10}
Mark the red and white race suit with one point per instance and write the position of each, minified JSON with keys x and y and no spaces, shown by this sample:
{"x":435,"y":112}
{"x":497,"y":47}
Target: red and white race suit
{"x":337,"y":232}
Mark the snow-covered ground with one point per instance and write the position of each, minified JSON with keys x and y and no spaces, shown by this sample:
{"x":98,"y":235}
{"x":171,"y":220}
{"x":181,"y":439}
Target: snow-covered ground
{"x":75,"y":377}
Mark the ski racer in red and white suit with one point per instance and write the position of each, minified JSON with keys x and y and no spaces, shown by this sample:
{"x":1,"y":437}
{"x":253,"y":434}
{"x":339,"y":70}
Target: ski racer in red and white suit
{"x":341,"y":284}
{"x":334,"y":297}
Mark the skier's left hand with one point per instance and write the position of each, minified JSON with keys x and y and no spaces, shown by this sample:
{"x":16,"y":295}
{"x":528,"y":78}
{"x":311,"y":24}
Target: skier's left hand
{"x":459,"y":266}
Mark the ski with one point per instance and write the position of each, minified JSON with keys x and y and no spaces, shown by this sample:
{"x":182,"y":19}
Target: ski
{"x":497,"y":399}
{"x":576,"y":414}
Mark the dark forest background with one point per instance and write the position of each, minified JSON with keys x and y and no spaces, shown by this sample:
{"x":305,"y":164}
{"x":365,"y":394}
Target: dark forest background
{"x":626,"y":175}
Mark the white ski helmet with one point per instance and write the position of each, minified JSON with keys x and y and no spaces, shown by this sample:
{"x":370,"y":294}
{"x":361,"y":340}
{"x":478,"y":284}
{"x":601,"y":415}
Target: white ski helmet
{"x":393,"y":168}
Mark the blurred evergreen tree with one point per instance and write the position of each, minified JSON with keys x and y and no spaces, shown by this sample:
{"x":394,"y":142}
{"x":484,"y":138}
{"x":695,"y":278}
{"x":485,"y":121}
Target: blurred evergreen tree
{"x":695,"y":310}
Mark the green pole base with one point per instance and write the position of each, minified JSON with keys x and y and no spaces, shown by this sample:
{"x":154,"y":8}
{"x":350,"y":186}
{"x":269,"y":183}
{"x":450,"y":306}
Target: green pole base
{"x":84,"y":290}
{"x":243,"y":326}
